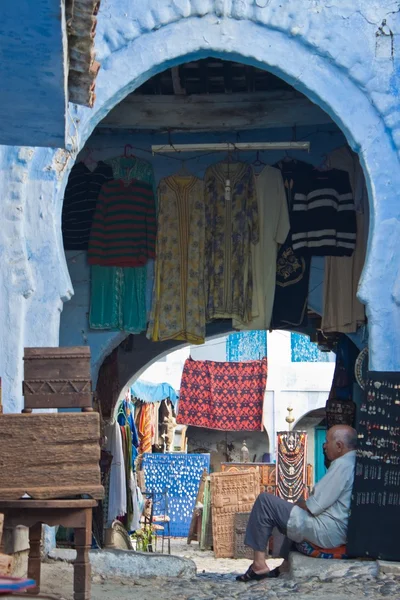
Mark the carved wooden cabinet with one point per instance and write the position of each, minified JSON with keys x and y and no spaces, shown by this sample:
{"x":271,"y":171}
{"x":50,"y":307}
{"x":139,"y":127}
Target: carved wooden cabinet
{"x":266,"y":471}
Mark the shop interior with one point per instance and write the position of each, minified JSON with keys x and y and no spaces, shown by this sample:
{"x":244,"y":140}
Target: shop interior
{"x":204,"y":133}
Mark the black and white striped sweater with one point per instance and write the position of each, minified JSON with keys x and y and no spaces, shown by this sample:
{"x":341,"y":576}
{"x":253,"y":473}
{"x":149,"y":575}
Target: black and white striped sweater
{"x":323,"y":217}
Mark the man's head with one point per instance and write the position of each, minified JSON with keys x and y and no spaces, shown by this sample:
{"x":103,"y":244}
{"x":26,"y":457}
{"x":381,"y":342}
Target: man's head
{"x":340,"y":439}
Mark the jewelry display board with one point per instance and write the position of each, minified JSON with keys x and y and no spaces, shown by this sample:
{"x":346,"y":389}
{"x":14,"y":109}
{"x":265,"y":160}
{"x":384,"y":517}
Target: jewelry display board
{"x":291,"y":468}
{"x":374,"y":526}
{"x":179,"y":474}
{"x":340,"y":412}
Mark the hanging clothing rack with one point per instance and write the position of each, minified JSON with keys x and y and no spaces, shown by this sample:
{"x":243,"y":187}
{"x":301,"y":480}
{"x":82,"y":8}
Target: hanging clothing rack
{"x":230,"y":147}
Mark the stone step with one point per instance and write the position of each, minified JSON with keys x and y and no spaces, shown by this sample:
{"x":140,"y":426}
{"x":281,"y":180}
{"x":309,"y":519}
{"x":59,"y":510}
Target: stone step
{"x":306,"y":567}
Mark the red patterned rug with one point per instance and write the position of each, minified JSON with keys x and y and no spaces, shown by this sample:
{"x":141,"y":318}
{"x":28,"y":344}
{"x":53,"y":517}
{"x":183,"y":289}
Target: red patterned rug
{"x":227,"y":396}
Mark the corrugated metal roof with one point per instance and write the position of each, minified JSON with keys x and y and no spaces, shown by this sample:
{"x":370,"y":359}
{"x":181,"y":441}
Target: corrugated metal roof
{"x":83,"y":68}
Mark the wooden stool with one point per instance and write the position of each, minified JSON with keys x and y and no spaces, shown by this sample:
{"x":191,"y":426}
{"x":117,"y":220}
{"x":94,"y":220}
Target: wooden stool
{"x":76,"y":514}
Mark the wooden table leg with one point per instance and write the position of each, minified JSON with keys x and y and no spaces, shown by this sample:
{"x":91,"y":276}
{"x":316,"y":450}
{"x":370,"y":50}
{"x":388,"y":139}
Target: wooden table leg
{"x":82,"y":569}
{"x":35,"y":537}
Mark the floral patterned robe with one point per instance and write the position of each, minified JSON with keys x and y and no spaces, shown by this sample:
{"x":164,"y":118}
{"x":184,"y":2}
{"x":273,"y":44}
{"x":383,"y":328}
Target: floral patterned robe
{"x":231,"y":229}
{"x":178,"y":310}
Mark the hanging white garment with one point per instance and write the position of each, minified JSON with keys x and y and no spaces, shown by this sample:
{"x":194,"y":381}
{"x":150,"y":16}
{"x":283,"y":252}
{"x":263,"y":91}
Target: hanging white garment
{"x":274,"y":227}
{"x":342,"y":311}
{"x":135,"y":521}
{"x":117,"y":494}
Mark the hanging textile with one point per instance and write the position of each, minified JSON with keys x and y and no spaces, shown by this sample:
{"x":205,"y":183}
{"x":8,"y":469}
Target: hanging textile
{"x":291,"y":465}
{"x":80,"y":200}
{"x":127,"y":446}
{"x":340,"y":408}
{"x":292,"y":269}
{"x":108,"y":387}
{"x":342,"y":311}
{"x":344,"y":376}
{"x":323,"y":215}
{"x":134,"y":524}
{"x":274,"y":228}
{"x":110,"y":285}
{"x":178,"y":302}
{"x":117,"y":495}
{"x":304,"y":350}
{"x":124,"y":225}
{"x":246,"y":345}
{"x":125,"y":416}
{"x":232,"y":229}
{"x":145,"y":428}
{"x":340,"y":412}
{"x":128,"y":168}
{"x":153,"y":392}
{"x":118,"y":299}
{"x":223,"y":395}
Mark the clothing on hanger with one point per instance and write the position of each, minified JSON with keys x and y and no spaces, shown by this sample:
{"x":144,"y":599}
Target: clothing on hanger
{"x":114,"y":288}
{"x":274,"y":228}
{"x":178,"y":308}
{"x":323,"y":215}
{"x":80,"y":200}
{"x":124,"y":225}
{"x":232,"y":229}
{"x":342,"y":311}
{"x":292,"y":269}
{"x":117,"y":496}
{"x":118,"y":299}
{"x":125,"y":416}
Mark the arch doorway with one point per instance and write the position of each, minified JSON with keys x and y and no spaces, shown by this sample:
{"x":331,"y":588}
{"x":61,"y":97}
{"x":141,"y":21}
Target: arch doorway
{"x":129,"y":58}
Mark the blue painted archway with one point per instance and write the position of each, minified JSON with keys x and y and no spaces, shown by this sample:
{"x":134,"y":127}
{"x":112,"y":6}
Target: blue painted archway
{"x":311,"y":51}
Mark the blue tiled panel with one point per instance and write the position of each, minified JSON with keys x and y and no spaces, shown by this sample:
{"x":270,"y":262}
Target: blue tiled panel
{"x":246,"y":345}
{"x":303,"y":350}
{"x":180,"y":474}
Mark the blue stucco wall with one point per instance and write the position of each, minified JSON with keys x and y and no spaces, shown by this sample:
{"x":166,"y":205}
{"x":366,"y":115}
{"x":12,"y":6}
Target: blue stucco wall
{"x":330,"y":51}
{"x":33,"y":97}
{"x":74,"y":326}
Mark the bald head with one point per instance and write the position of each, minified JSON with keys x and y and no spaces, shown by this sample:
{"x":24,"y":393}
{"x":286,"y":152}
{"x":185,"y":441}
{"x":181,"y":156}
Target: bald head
{"x":340,"y":439}
{"x":345,"y":434}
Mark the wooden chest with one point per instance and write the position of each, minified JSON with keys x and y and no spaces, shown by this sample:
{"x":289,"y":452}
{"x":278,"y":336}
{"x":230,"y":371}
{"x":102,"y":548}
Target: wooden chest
{"x":50,"y":455}
{"x":57,"y":377}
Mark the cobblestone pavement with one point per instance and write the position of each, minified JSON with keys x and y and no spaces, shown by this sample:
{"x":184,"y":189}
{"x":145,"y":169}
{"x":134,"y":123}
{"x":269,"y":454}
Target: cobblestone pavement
{"x":216,"y":581}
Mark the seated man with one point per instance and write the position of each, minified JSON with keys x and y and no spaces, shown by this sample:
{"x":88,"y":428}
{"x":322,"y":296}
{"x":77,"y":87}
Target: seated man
{"x":321,"y":520}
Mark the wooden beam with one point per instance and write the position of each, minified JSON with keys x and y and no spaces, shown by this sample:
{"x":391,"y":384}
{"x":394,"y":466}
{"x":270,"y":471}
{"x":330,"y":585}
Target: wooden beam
{"x":215,"y":112}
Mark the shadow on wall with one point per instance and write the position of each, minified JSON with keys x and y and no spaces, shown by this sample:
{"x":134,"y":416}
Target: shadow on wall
{"x":225,"y":446}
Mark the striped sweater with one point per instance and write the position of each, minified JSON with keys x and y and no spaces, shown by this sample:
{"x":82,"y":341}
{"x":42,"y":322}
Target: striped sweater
{"x":80,"y":201}
{"x":323,"y":215}
{"x":123,"y":233}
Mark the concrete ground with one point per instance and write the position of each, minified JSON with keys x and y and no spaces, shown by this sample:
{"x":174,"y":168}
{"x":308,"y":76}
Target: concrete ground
{"x":216,"y":580}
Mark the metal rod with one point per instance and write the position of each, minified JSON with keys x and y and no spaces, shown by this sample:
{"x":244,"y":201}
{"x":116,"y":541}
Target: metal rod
{"x":230,"y":147}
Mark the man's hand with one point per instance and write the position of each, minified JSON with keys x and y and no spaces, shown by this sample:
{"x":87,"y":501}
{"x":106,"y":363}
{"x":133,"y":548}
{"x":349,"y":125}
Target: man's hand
{"x":301,"y":503}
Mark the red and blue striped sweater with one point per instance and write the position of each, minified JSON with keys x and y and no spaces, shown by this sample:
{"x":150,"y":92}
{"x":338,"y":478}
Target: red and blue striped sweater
{"x":124,"y":227}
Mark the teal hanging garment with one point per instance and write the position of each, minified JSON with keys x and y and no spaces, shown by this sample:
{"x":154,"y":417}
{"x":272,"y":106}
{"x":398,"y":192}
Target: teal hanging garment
{"x":118,"y":295}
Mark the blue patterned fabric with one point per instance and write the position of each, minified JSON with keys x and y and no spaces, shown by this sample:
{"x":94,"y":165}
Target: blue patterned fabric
{"x":303,"y":350}
{"x":246,"y":345}
{"x":180,"y":475}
